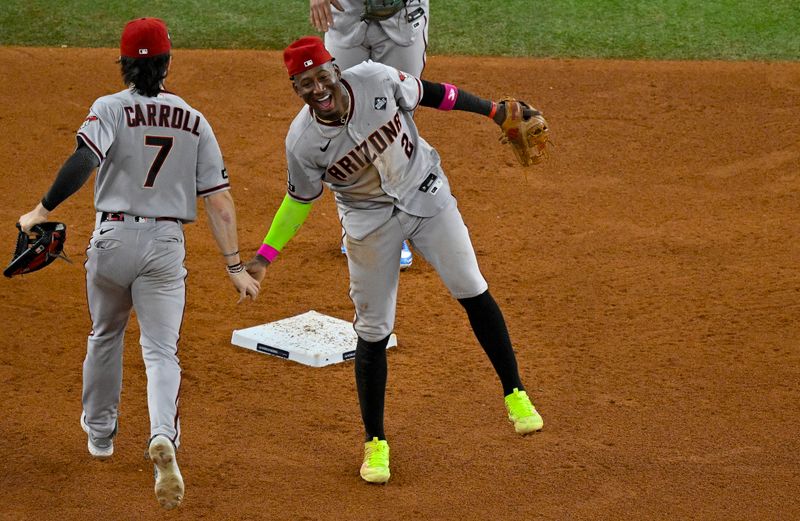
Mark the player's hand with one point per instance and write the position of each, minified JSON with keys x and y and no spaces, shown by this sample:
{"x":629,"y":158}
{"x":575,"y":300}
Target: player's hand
{"x":246,"y":285}
{"x":257,"y":267}
{"x":36,"y":216}
{"x":500,"y":115}
{"x":320,"y":14}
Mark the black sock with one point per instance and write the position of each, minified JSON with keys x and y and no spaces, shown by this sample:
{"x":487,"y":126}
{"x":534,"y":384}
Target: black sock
{"x":371,"y":373}
{"x":490,"y":329}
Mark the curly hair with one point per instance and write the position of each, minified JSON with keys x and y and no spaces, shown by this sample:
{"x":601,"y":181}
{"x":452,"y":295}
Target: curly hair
{"x":145,"y":75}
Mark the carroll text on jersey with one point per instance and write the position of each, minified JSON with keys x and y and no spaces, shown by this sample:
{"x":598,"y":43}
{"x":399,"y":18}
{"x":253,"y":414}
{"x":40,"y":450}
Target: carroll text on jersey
{"x":162,"y":116}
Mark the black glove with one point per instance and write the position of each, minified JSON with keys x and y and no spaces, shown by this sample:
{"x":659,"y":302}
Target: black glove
{"x":35,"y":251}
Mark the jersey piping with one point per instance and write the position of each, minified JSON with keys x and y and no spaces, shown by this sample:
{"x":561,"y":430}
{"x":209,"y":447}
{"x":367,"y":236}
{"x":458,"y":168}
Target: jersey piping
{"x":214,"y":189}
{"x":91,"y":144}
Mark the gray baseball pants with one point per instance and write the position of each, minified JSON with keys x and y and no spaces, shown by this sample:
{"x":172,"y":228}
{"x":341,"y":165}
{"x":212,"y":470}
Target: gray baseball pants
{"x":374,"y":263}
{"x":378,"y":47}
{"x":134,"y":264}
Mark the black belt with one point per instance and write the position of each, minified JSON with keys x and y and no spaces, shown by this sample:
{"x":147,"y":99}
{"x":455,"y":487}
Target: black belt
{"x":119,"y":216}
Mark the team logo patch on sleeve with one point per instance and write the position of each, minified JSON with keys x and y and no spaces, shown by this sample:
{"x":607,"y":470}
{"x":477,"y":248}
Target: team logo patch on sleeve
{"x":401,"y":75}
{"x":380,"y":104}
{"x":88,"y":120}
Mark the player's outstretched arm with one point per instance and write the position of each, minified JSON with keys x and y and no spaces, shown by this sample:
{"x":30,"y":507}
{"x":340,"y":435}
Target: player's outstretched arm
{"x":320,"y":14}
{"x":522,"y":126}
{"x":287,"y":221}
{"x":444,"y":96}
{"x":70,"y":178}
{"x":222,"y":221}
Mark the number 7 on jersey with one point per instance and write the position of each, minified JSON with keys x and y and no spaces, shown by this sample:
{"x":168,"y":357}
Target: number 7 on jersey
{"x":165,"y":145}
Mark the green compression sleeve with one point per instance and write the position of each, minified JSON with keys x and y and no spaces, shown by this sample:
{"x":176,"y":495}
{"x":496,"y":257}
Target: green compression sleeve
{"x":288,"y":219}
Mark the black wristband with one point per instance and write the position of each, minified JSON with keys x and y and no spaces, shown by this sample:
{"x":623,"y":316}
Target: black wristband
{"x":235,"y":268}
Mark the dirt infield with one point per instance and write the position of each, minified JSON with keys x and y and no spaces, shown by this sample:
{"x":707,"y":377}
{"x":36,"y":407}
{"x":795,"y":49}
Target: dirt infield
{"x":648,"y":273}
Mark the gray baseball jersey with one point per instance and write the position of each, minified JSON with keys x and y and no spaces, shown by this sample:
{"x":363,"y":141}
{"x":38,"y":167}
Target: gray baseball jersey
{"x":156,"y":156}
{"x":400,"y":41}
{"x":374,"y":163}
{"x":389,"y":186}
{"x":176,"y":155}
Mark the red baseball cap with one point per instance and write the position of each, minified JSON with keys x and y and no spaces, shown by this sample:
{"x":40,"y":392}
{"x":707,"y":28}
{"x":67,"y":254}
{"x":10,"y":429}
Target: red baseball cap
{"x":144,"y":38}
{"x":304,"y":54}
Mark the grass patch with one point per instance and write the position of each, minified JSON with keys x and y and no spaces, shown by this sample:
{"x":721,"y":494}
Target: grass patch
{"x":664,"y":29}
{"x":235,"y":24}
{"x":659,"y":29}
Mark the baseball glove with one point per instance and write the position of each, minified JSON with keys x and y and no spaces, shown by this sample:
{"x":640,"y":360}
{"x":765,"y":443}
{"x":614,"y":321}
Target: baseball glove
{"x":381,"y":9}
{"x":525,"y":129}
{"x":35,"y":251}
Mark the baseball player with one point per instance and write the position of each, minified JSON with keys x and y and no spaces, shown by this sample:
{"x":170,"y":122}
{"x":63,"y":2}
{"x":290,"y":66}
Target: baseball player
{"x":401,"y":41}
{"x":156,"y":154}
{"x":357,"y":137}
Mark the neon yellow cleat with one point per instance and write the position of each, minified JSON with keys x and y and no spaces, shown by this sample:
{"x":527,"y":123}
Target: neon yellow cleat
{"x":522,"y":413}
{"x":375,"y":468}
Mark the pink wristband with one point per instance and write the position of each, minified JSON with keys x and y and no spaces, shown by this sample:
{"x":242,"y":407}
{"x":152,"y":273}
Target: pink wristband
{"x":268,"y":252}
{"x":450,"y":96}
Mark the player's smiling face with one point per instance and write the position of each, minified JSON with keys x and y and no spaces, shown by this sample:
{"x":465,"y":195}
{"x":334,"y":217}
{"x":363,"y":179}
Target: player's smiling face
{"x":321,"y":90}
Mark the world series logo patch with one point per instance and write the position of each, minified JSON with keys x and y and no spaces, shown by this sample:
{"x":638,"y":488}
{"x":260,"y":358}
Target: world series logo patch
{"x":380,"y":104}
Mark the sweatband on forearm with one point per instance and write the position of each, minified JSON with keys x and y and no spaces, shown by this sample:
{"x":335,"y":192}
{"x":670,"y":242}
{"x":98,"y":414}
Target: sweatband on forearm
{"x":450,"y":95}
{"x":288,"y":219}
{"x":268,"y":252}
{"x":444,"y":96}
{"x":72,"y":175}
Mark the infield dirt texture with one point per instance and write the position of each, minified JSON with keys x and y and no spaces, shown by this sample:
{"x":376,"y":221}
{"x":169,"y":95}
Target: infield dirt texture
{"x":648,"y":273}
